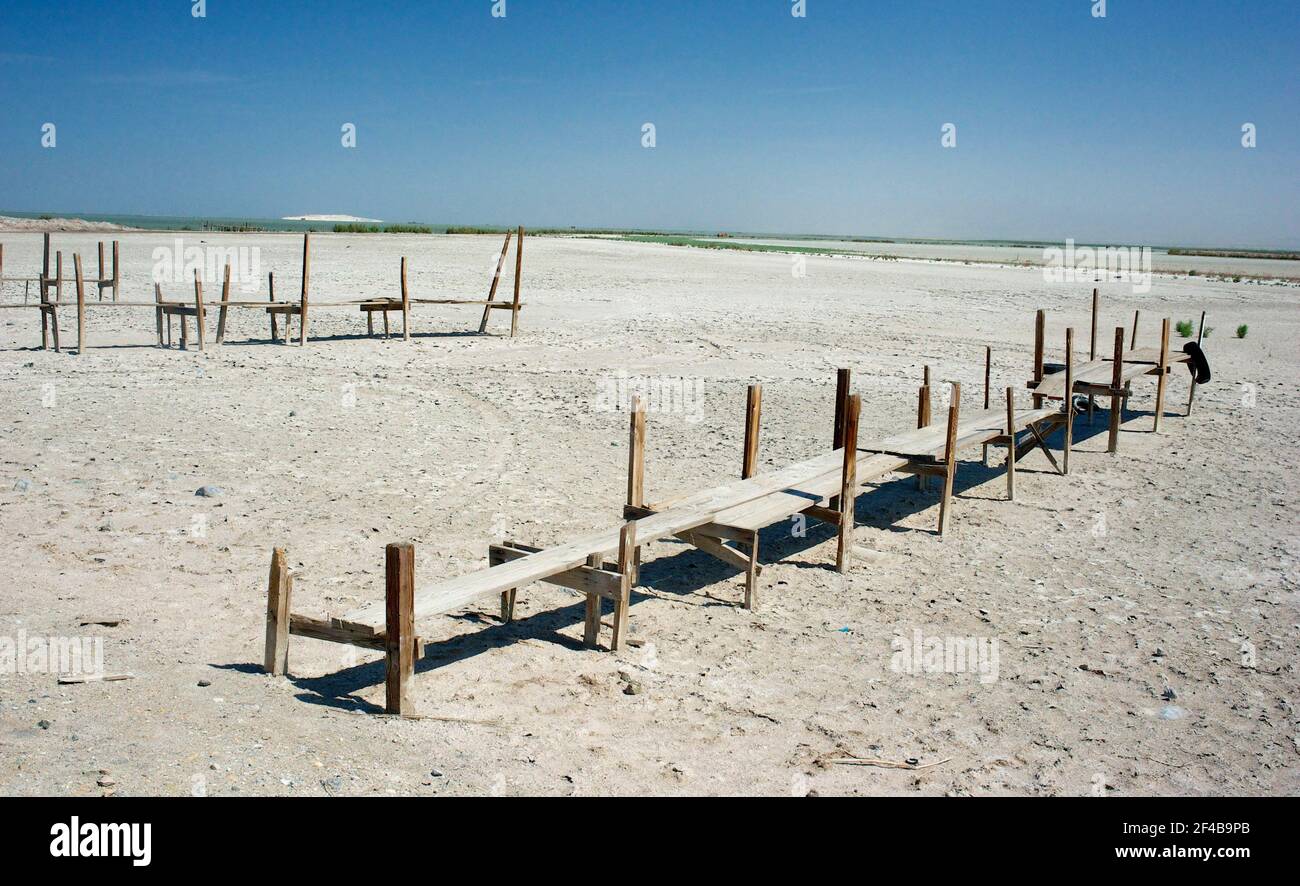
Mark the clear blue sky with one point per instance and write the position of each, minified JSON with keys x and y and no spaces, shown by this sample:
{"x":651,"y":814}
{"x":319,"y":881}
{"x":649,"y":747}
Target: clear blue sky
{"x":1124,"y":129}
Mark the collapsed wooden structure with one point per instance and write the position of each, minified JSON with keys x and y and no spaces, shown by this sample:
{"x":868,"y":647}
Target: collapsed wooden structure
{"x":723,"y":521}
{"x":51,"y":299}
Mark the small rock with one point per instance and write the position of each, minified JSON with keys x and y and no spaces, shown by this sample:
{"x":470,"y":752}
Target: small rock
{"x":436,"y":773}
{"x":208,"y":491}
{"x":1172,"y":712}
{"x":632,"y":688}
{"x":106,"y":781}
{"x":332,"y":784}
{"x":205,"y":683}
{"x":44,"y":724}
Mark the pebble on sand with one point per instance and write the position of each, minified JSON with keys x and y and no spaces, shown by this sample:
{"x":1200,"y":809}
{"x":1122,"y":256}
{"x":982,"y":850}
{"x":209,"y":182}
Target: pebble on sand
{"x":208,"y":491}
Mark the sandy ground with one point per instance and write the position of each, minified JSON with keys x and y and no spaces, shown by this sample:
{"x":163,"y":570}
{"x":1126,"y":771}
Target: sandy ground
{"x":1170,"y":569}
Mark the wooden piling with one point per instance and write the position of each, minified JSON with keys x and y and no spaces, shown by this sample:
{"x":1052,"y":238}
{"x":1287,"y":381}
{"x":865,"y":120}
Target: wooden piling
{"x":399,"y":619}
{"x":406,"y":305}
{"x":1163,"y":378}
{"x":117,"y":272}
{"x":278,"y":593}
{"x":1040,"y":327}
{"x":158,"y":311}
{"x":81,"y":305}
{"x":198,"y":310}
{"x":1011,"y":444}
{"x":1092,"y":347}
{"x":988,"y":373}
{"x":626,"y":567}
{"x":591,"y":624}
{"x":950,"y":456}
{"x":843,"y":385}
{"x":1116,"y":392}
{"x":1134,"y":343}
{"x":221,"y":312}
{"x":519,"y":273}
{"x":270,"y":282}
{"x":848,"y":484}
{"x":753,"y":417}
{"x":306,"y":275}
{"x":99,"y":280}
{"x":636,"y":454}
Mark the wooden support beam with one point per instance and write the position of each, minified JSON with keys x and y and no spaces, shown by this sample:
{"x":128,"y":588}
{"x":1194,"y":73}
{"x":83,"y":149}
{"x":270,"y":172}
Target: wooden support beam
{"x":1163,"y":376}
{"x":81,"y":305}
{"x":117,"y":273}
{"x":848,"y":483}
{"x":221,"y":311}
{"x":278,"y":593}
{"x":843,"y":387}
{"x":496,"y":279}
{"x":270,"y":282}
{"x":198,"y":310}
{"x":1011,"y":444}
{"x":306,"y":277}
{"x":100,"y":278}
{"x":636,"y":454}
{"x":1040,"y":328}
{"x":597,"y":579}
{"x":988,"y":374}
{"x":399,"y":646}
{"x":923,"y":419}
{"x":1092,"y":347}
{"x":626,"y":566}
{"x":158,"y":312}
{"x":406,"y":316}
{"x":753,"y":418}
{"x":58,"y":277}
{"x":519,"y":274}
{"x":45,"y":260}
{"x":1069,"y":398}
{"x":1116,"y":398}
{"x":950,"y":455}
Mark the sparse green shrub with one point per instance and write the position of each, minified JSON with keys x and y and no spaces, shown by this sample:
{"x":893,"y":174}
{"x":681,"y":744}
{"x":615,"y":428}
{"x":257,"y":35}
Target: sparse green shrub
{"x":1242,"y":330}
{"x":1184,"y":328}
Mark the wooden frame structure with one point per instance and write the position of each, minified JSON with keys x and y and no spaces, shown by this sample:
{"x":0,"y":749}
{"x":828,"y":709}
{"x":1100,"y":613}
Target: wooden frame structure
{"x":723,"y":522}
{"x":51,"y":298}
{"x":1110,"y":377}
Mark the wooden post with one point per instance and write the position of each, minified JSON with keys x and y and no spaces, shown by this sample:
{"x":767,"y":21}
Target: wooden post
{"x":45,"y":262}
{"x":923,"y":420}
{"x":99,"y":281}
{"x":636,"y":468}
{"x":306,"y":275}
{"x":519,"y":273}
{"x":753,"y":416}
{"x":1092,"y":348}
{"x":496,"y":279}
{"x":406,"y":305}
{"x":988,"y":372}
{"x":58,"y":276}
{"x":198,"y":308}
{"x":1040,"y":327}
{"x":636,"y":455}
{"x":399,"y":626}
{"x":270,"y":282}
{"x":81,"y":305}
{"x":591,"y":625}
{"x":1011,"y":444}
{"x":1163,"y":377}
{"x":221,"y":312}
{"x":950,"y":456}
{"x":848,"y":484}
{"x":843,"y":384}
{"x":1191,"y":394}
{"x":626,"y":567}
{"x":158,"y":311}
{"x":1133,"y":345}
{"x":1116,"y":394}
{"x":117,"y":273}
{"x":278,"y":593}
{"x":1069,"y":398}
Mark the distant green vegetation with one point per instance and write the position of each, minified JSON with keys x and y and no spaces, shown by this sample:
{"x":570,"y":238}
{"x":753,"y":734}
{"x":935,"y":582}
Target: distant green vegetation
{"x":1237,"y":253}
{"x":1242,"y":330}
{"x":1184,"y":328}
{"x":354,"y":228}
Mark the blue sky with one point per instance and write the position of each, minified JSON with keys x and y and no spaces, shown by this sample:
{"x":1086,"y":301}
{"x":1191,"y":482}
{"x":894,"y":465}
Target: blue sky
{"x":1123,"y":129}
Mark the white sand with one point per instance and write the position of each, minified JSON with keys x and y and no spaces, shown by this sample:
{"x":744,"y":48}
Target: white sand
{"x":454,"y":440}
